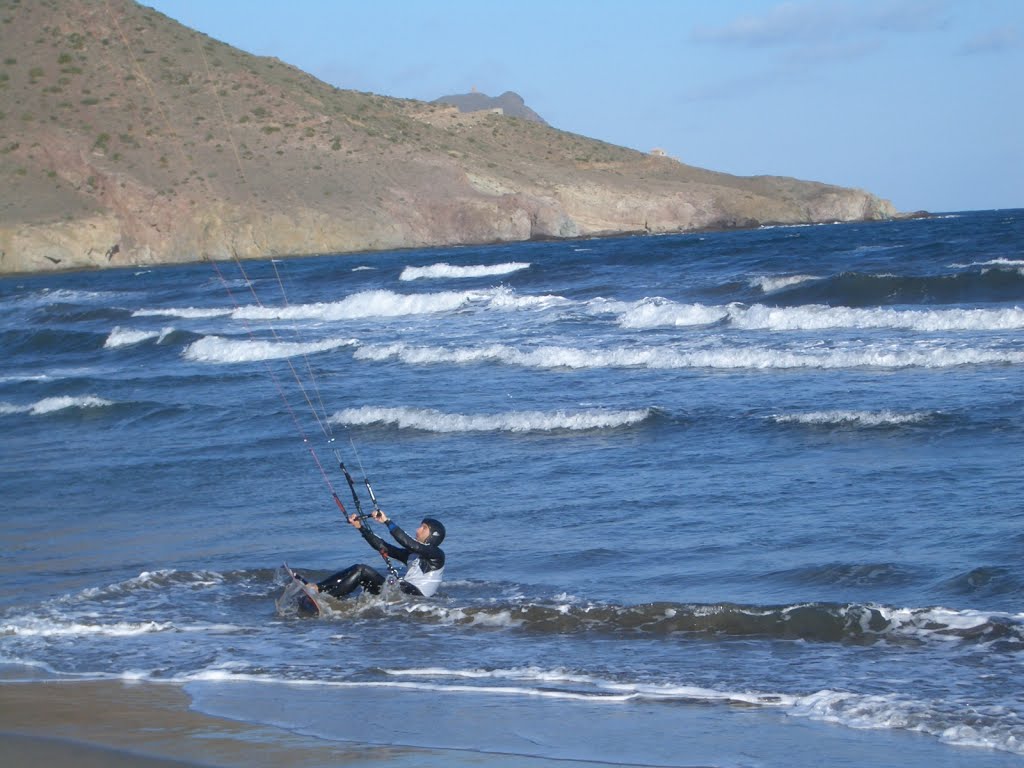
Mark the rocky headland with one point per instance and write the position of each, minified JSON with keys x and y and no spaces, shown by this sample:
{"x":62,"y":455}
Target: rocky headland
{"x":127,"y":138}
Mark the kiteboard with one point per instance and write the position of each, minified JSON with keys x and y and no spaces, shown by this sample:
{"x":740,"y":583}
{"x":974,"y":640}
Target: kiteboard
{"x":303,"y":595}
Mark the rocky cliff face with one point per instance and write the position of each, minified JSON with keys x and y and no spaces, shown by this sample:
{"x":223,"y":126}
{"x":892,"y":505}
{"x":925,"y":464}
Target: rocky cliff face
{"x":510,"y":103}
{"x":136,"y":231}
{"x":160,"y":145}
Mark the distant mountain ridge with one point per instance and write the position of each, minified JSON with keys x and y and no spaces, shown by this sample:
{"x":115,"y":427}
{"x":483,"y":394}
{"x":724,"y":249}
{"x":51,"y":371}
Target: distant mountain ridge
{"x":510,"y":103}
{"x":127,"y":138}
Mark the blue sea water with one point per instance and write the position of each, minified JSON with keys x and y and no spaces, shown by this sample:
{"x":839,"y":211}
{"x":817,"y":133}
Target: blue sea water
{"x":736,"y":481}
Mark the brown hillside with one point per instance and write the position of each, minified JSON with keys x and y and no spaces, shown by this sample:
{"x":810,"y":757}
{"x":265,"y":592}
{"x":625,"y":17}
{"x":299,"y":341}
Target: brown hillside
{"x":127,"y":138}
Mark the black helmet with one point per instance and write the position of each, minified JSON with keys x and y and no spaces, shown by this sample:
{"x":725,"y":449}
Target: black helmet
{"x":436,"y":531}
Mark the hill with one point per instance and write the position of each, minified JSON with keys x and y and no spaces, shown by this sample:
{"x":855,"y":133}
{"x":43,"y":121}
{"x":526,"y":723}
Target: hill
{"x":510,"y":104}
{"x":127,"y":138}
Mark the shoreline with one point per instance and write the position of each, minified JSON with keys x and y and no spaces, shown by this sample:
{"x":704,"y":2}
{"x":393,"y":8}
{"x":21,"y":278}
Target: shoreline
{"x":119,"y":724}
{"x":122,"y":724}
{"x":148,"y":725}
{"x":609,"y":235}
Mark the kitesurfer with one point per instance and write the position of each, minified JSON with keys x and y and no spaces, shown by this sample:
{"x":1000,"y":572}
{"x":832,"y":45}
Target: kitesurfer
{"x":422,"y":555}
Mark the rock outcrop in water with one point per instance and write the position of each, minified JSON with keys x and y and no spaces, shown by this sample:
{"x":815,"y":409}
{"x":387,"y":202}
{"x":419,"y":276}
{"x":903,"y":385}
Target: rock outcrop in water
{"x":126,"y":138}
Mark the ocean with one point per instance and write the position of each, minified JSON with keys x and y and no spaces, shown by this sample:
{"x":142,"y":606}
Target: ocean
{"x":733,"y":499}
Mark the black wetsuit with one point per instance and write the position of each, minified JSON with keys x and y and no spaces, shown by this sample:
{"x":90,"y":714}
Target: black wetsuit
{"x":425,"y":566}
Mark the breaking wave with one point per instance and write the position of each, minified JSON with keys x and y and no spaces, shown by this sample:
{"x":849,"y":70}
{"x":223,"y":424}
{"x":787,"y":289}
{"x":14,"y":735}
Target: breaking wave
{"x":54,"y":404}
{"x":884,"y":418}
{"x":216,"y":349}
{"x":668,"y":358}
{"x":443,"y":270}
{"x":660,"y":313}
{"x":855,"y":623}
{"x":777,"y":283}
{"x":185,"y":313}
{"x":368,"y":304}
{"x":125,"y":337}
{"x":1014,"y":264}
{"x":430,"y":420}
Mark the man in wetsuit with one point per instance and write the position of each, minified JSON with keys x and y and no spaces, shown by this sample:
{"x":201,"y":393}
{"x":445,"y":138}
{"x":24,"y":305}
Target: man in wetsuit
{"x":422,"y":555}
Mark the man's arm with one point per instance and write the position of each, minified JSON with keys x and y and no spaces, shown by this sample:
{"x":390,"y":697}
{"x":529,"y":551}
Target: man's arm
{"x":376,"y":542}
{"x":429,"y":552}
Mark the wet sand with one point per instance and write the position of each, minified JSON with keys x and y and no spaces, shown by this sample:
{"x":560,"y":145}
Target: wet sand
{"x":90,"y":724}
{"x":126,"y":725}
{"x":17,"y":751}
{"x":119,"y":724}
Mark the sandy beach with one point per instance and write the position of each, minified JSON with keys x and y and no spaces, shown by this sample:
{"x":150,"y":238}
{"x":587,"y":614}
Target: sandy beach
{"x":133,"y":725}
{"x":118,"y":724}
{"x":146,"y":725}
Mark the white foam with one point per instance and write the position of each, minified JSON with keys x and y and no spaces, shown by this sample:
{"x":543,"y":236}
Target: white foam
{"x":989,"y":726}
{"x":593,"y":686}
{"x":941,"y":623}
{"x":32,"y":627}
{"x":757,"y":358}
{"x":443,"y":270}
{"x":25,"y":377}
{"x":216,"y":349}
{"x":123,"y":337}
{"x":149,"y":580}
{"x":505,"y":299}
{"x":54,"y":404}
{"x":853,"y":418}
{"x":369,"y":304}
{"x":539,"y":674}
{"x":187,"y":313}
{"x":362,"y":305}
{"x":771,"y":284}
{"x":516,"y":421}
{"x":796,"y":226}
{"x":815,"y":317}
{"x":226,"y":676}
{"x":67,"y":296}
{"x":52,"y":374}
{"x":661,"y":313}
{"x":1017,"y":264}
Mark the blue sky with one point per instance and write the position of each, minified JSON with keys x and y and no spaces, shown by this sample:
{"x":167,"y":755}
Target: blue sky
{"x":918,"y":101}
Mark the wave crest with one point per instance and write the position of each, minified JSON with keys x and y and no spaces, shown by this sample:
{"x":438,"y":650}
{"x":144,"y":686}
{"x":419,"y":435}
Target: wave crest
{"x":839,"y":418}
{"x":444,"y":270}
{"x":185,"y":313}
{"x":125,"y":337}
{"x":430,"y":420}
{"x":772,"y":284}
{"x":810,"y":622}
{"x":667,"y":358}
{"x":852,"y":624}
{"x":369,"y":304}
{"x":55,"y":404}
{"x":216,"y":349}
{"x":661,"y":313}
